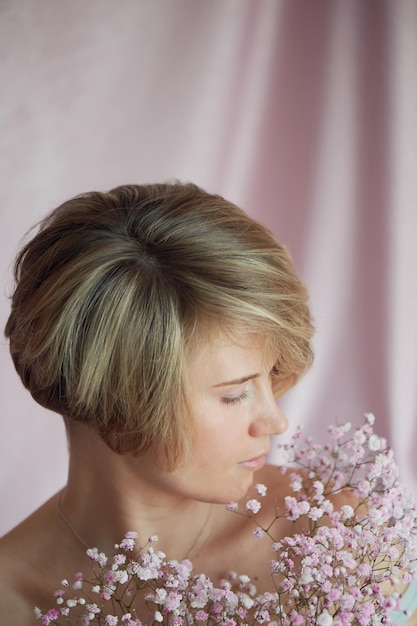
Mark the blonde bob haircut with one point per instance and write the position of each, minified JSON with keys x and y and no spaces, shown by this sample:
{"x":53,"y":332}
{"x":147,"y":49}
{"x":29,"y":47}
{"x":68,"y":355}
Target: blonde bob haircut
{"x":116,"y":289}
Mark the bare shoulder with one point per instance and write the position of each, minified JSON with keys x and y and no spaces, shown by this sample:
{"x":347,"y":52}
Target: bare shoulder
{"x":25,"y":556}
{"x":18,"y":580}
{"x":13,"y":609}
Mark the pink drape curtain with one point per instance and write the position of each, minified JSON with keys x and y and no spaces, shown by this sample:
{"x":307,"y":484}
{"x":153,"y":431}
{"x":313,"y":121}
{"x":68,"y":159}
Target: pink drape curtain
{"x":304,"y":113}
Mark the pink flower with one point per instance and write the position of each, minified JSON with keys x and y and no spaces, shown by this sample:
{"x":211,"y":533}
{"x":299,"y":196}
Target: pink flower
{"x":253,"y":505}
{"x":201,"y":616}
{"x":318,"y":488}
{"x":296,"y":482}
{"x":118,"y":559}
{"x":326,"y":574}
{"x":52,"y":614}
{"x":297,"y":619}
{"x":261,"y":489}
{"x":347,"y":511}
{"x":334,"y":594}
{"x":315,"y":513}
{"x":296,"y":508}
{"x":172,"y":601}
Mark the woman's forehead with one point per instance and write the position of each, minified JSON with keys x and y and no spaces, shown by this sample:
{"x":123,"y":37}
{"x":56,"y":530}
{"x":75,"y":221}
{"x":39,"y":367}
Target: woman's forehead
{"x":218,"y":345}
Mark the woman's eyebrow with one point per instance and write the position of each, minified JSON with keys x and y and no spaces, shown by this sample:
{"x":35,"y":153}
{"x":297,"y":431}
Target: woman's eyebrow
{"x":237,"y":381}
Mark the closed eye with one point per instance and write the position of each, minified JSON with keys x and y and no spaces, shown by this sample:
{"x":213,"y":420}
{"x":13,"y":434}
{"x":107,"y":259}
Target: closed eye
{"x":235,"y":399}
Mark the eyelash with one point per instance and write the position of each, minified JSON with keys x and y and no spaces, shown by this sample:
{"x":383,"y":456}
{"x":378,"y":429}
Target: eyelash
{"x":245,"y":395}
{"x":236,"y":399}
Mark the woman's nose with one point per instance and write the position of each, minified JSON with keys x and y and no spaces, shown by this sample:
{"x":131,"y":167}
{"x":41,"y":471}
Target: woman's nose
{"x":270,"y":421}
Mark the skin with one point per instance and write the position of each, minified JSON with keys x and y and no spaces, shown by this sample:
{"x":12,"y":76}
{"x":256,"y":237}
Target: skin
{"x":235,"y":412}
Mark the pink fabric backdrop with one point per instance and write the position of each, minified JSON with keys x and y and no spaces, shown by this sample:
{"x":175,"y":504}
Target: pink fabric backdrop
{"x":304,"y":113}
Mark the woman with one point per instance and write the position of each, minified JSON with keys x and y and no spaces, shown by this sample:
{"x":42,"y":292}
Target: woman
{"x":162,"y":323}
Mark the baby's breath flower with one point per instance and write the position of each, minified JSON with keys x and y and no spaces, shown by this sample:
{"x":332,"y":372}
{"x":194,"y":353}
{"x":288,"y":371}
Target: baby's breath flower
{"x":328,"y":573}
{"x":370,"y":418}
{"x":374,"y":443}
{"x":347,"y":511}
{"x":315,"y":513}
{"x":253,"y":506}
{"x":37,"y":612}
{"x":324,"y":619}
{"x":261,"y":489}
{"x":296,"y":482}
{"x":201,"y":616}
{"x":318,"y":488}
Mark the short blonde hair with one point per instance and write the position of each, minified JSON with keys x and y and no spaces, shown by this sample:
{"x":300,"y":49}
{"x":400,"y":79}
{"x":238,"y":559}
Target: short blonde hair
{"x":112,"y":293}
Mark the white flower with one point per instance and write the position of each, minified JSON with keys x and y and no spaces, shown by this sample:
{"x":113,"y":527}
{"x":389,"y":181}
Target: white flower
{"x":261,"y":489}
{"x":247,"y":602}
{"x":370,"y":418}
{"x":318,"y":487}
{"x":306,"y":576}
{"x":258,"y":533}
{"x":374,"y":443}
{"x":253,"y":505}
{"x":347,"y":511}
{"x":121,"y":576}
{"x":296,"y":482}
{"x":318,"y":563}
{"x":324,"y":619}
{"x":315,"y":513}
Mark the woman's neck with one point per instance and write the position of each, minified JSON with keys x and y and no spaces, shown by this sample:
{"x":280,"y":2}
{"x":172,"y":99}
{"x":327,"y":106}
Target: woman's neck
{"x":109,"y":494}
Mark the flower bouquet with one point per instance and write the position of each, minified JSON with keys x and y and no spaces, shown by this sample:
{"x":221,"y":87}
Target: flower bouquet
{"x":339,"y":567}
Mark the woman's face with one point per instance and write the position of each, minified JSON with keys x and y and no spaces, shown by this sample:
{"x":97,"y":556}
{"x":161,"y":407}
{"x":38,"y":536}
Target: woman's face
{"x":235,"y":413}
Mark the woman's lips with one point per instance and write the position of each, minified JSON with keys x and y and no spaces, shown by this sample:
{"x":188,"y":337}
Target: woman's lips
{"x":256,"y":463}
